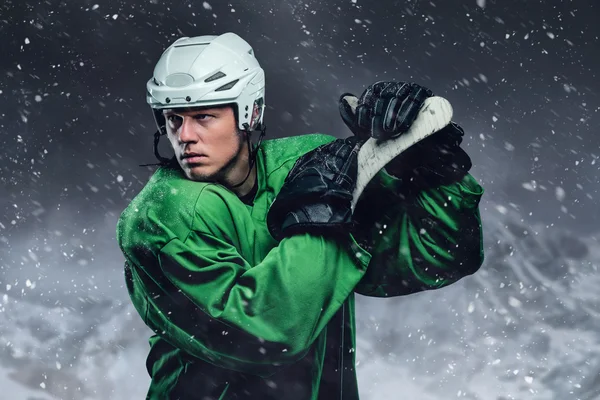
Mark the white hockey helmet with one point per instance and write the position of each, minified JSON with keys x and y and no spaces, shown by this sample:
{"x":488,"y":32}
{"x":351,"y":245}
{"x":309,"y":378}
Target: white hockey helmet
{"x":206,"y":71}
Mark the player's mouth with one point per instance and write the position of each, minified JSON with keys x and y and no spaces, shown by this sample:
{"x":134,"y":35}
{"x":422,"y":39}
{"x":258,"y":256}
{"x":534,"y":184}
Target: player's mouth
{"x":192,"y":158}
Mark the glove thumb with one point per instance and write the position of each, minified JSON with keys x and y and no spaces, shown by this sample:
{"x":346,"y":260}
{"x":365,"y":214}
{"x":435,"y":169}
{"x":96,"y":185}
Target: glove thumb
{"x":347,"y":106}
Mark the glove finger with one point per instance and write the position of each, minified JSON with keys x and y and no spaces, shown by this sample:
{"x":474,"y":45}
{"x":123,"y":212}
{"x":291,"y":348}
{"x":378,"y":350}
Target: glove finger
{"x":371,"y":93}
{"x":378,"y":117}
{"x":363,"y":118}
{"x":428,"y":92}
{"x":350,"y":101}
{"x":408,"y":109}
{"x":455,"y":132}
{"x":377,"y":129}
{"x":347,"y":107}
{"x":457,"y":128}
{"x":396,"y":89}
{"x":390,"y":116}
{"x":451,"y":134}
{"x":340,"y":161}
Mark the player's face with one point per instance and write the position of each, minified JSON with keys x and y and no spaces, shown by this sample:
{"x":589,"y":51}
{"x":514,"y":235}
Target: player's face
{"x":206,"y":142}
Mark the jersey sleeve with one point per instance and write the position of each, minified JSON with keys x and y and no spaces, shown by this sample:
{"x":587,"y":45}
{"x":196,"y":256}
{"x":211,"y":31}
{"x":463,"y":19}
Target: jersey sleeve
{"x":215,"y":306}
{"x":420,"y":240}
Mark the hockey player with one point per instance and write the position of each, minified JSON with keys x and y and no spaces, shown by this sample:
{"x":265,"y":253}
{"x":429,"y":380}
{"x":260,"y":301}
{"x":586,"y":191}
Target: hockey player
{"x":244,"y":259}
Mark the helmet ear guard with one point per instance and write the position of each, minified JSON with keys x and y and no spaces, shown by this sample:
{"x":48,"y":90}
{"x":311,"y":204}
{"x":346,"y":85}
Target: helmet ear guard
{"x":161,"y":122}
{"x":257,"y":113}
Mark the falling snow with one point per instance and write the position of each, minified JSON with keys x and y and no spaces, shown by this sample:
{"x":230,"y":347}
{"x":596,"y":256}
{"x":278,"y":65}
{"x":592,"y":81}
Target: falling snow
{"x":523,"y":85}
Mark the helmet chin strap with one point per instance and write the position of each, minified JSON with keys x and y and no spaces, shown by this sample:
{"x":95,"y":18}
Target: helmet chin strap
{"x":163,"y":160}
{"x":252,"y":153}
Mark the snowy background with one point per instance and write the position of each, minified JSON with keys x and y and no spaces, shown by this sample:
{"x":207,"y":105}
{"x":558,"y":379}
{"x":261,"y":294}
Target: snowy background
{"x":522,"y":76}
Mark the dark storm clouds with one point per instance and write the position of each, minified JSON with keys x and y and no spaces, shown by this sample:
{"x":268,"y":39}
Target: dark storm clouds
{"x":520,"y":74}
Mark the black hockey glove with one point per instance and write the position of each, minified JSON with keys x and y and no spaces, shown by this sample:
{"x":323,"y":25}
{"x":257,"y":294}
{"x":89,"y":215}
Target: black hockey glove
{"x":384,"y":110}
{"x":317,"y":193}
{"x":434,"y":161}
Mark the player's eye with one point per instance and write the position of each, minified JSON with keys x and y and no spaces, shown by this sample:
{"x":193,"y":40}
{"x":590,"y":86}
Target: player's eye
{"x":174,"y":118}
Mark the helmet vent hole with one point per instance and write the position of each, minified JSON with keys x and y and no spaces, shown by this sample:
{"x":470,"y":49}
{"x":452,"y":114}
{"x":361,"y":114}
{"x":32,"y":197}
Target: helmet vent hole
{"x":214,"y":77}
{"x":228,"y":86}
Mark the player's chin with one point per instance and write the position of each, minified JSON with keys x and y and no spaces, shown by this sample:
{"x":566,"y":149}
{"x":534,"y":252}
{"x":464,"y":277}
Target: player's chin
{"x":199,"y":173}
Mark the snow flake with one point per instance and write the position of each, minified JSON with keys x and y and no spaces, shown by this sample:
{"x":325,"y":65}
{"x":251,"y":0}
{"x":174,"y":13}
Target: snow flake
{"x":501,"y":209}
{"x":95,"y":7}
{"x":481,"y":3}
{"x":560,"y":193}
{"x":206,"y":6}
{"x":115,"y":16}
{"x":27,"y":41}
{"x":514,"y":302}
{"x":531,"y":186}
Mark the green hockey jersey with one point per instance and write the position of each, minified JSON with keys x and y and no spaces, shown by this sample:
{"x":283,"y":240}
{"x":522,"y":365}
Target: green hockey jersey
{"x":238,"y":315}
